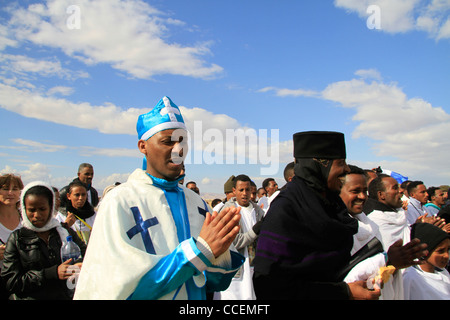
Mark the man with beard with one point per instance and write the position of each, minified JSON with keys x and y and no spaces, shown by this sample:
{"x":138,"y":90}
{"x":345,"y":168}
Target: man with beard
{"x":307,"y":234}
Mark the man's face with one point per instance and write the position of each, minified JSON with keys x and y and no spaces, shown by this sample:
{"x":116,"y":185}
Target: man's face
{"x":439,"y":198}
{"x":420,"y":194}
{"x":271,"y":188}
{"x":86,"y":175}
{"x":354,"y":193}
{"x":392,"y":196}
{"x":338,"y":170}
{"x":193,"y":187}
{"x":163,"y":152}
{"x":242,"y":192}
{"x":261,"y":193}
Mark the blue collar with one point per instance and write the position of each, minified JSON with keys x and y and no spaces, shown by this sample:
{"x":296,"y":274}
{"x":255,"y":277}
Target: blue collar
{"x":165,"y":184}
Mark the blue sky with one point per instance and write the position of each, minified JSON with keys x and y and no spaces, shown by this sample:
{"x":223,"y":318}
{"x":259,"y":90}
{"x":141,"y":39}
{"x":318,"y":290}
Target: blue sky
{"x":75,"y":74}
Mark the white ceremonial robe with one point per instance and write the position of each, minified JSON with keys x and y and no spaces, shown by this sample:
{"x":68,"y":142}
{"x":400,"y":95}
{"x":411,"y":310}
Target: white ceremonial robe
{"x":135,"y":251}
{"x":367,"y":230}
{"x":392,"y":226}
{"x":241,"y":286}
{"x":421,"y":285}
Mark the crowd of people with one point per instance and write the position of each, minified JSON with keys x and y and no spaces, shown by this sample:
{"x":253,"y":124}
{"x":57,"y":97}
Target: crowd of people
{"x":332,"y":231}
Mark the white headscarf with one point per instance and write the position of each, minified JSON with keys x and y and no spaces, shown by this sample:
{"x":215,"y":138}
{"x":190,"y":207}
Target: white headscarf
{"x":52,"y":222}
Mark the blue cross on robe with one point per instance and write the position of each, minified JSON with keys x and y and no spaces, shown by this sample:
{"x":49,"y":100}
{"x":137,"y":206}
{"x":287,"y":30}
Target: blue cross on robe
{"x":142,"y":228}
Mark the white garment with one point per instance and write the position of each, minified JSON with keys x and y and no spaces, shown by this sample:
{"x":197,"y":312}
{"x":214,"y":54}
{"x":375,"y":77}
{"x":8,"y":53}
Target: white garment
{"x":218,"y":207}
{"x":241,"y":286}
{"x":115,"y":263}
{"x":79,"y":227}
{"x":367,"y":230}
{"x":392,"y":226}
{"x":421,"y":285}
{"x":266,"y":201}
{"x":415,"y":210}
{"x":5,"y":233}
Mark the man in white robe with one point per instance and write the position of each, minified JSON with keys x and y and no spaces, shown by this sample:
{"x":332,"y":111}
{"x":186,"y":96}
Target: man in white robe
{"x":354,"y":195}
{"x":153,"y":238}
{"x":241,"y":287}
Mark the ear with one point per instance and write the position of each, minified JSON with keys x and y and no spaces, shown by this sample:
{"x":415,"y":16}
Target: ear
{"x":381,"y":195}
{"x":142,"y":146}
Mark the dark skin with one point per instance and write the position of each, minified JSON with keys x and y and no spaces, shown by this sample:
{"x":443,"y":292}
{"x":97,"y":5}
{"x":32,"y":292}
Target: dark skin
{"x":38,"y":212}
{"x":163,"y":152}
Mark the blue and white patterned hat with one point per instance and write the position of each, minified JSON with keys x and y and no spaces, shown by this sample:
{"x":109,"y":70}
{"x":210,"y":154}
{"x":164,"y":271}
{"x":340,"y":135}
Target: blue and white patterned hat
{"x":164,"y":116}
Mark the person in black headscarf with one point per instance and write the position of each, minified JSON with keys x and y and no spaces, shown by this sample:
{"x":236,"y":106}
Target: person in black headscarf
{"x":307,"y":234}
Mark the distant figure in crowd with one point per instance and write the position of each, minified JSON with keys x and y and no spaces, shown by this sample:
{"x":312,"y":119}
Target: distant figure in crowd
{"x":154,"y":238}
{"x":418,"y":197}
{"x":271,"y":188}
{"x":193,"y":186}
{"x":437,"y":200}
{"x":78,"y":212}
{"x":228,"y":190}
{"x":85,"y":176}
{"x":241,"y":287}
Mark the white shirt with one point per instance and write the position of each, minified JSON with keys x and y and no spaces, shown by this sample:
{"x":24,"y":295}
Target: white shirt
{"x":422,"y":285}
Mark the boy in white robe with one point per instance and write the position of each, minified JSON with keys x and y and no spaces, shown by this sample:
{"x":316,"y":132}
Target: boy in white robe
{"x":241,"y":287}
{"x":429,"y":281}
{"x":153,"y":238}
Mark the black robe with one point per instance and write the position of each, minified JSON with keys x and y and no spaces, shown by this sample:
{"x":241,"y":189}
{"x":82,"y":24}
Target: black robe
{"x":305,"y":241}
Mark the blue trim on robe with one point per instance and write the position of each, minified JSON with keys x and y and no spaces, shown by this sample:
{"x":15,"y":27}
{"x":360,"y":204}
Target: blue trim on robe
{"x":175,"y":270}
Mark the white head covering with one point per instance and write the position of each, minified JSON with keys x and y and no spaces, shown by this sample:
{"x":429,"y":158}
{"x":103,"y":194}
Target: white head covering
{"x":51,"y":223}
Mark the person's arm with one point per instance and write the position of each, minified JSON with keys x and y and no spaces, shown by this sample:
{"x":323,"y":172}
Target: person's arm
{"x":187,"y":260}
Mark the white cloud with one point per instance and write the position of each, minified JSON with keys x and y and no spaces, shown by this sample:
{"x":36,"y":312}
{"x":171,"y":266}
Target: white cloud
{"x":409,"y":130}
{"x":33,"y":172}
{"x":283,"y":92}
{"x":406,"y":15}
{"x":23,"y":65}
{"x":129,"y":35}
{"x":35,"y":146}
{"x":206,"y":181}
{"x":60,"y":90}
{"x":106,"y":118}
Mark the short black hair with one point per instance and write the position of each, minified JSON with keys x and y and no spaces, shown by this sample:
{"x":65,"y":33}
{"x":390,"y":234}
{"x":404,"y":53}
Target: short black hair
{"x":377,"y":185}
{"x":241,"y":177}
{"x":40,"y":191}
{"x":266,"y":182}
{"x":413,"y":185}
{"x":432,"y":191}
{"x":74,"y":184}
{"x":288,"y":171}
{"x":405,"y":184}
